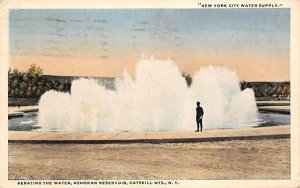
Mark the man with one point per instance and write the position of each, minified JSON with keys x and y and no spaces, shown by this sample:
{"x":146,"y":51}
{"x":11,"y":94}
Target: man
{"x":199,"y":116}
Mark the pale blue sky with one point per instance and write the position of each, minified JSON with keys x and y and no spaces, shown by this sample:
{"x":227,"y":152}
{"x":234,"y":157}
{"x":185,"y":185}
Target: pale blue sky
{"x":249,"y":29}
{"x":175,"y":33}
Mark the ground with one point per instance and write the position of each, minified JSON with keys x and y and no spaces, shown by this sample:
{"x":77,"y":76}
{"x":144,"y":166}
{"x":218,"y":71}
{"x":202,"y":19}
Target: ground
{"x":237,"y":159}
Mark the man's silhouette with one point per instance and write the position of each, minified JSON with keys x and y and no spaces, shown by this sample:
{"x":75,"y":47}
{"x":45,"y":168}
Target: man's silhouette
{"x":199,"y":116}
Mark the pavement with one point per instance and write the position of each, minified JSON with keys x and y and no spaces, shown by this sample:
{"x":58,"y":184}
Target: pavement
{"x":273,"y":103}
{"x":15,"y":111}
{"x":257,"y":133}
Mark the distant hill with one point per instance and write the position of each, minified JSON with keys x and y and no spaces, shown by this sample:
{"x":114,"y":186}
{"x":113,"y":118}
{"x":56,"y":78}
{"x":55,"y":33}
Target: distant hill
{"x":261,"y":89}
{"x":31,"y":88}
{"x":108,"y":82}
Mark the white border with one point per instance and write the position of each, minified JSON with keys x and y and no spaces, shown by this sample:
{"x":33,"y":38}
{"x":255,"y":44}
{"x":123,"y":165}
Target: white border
{"x":76,"y":4}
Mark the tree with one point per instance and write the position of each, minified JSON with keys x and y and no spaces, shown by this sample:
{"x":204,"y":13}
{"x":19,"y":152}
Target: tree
{"x":35,"y":71}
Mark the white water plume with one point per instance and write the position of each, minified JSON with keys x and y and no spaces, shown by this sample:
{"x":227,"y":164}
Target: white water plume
{"x":158,"y":99}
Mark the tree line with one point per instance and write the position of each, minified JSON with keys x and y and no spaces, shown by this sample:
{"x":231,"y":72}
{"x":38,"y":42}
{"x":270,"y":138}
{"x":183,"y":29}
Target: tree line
{"x":32,"y":83}
{"x":268,"y":89}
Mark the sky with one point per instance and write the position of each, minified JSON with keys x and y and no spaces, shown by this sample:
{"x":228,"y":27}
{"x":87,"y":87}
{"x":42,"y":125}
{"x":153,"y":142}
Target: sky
{"x":105,"y":42}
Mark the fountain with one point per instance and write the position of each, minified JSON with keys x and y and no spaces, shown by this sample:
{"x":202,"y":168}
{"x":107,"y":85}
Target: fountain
{"x":157,"y":99}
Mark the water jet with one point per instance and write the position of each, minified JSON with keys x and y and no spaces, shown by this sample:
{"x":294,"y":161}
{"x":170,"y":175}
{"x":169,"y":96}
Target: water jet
{"x":157,"y":99}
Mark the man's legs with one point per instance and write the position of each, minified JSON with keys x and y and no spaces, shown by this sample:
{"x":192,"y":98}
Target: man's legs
{"x":200,"y":121}
{"x":197,"y":121}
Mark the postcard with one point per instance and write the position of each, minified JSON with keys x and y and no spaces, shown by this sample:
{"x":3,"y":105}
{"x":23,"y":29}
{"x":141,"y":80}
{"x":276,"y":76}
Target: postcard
{"x":150,"y":93}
